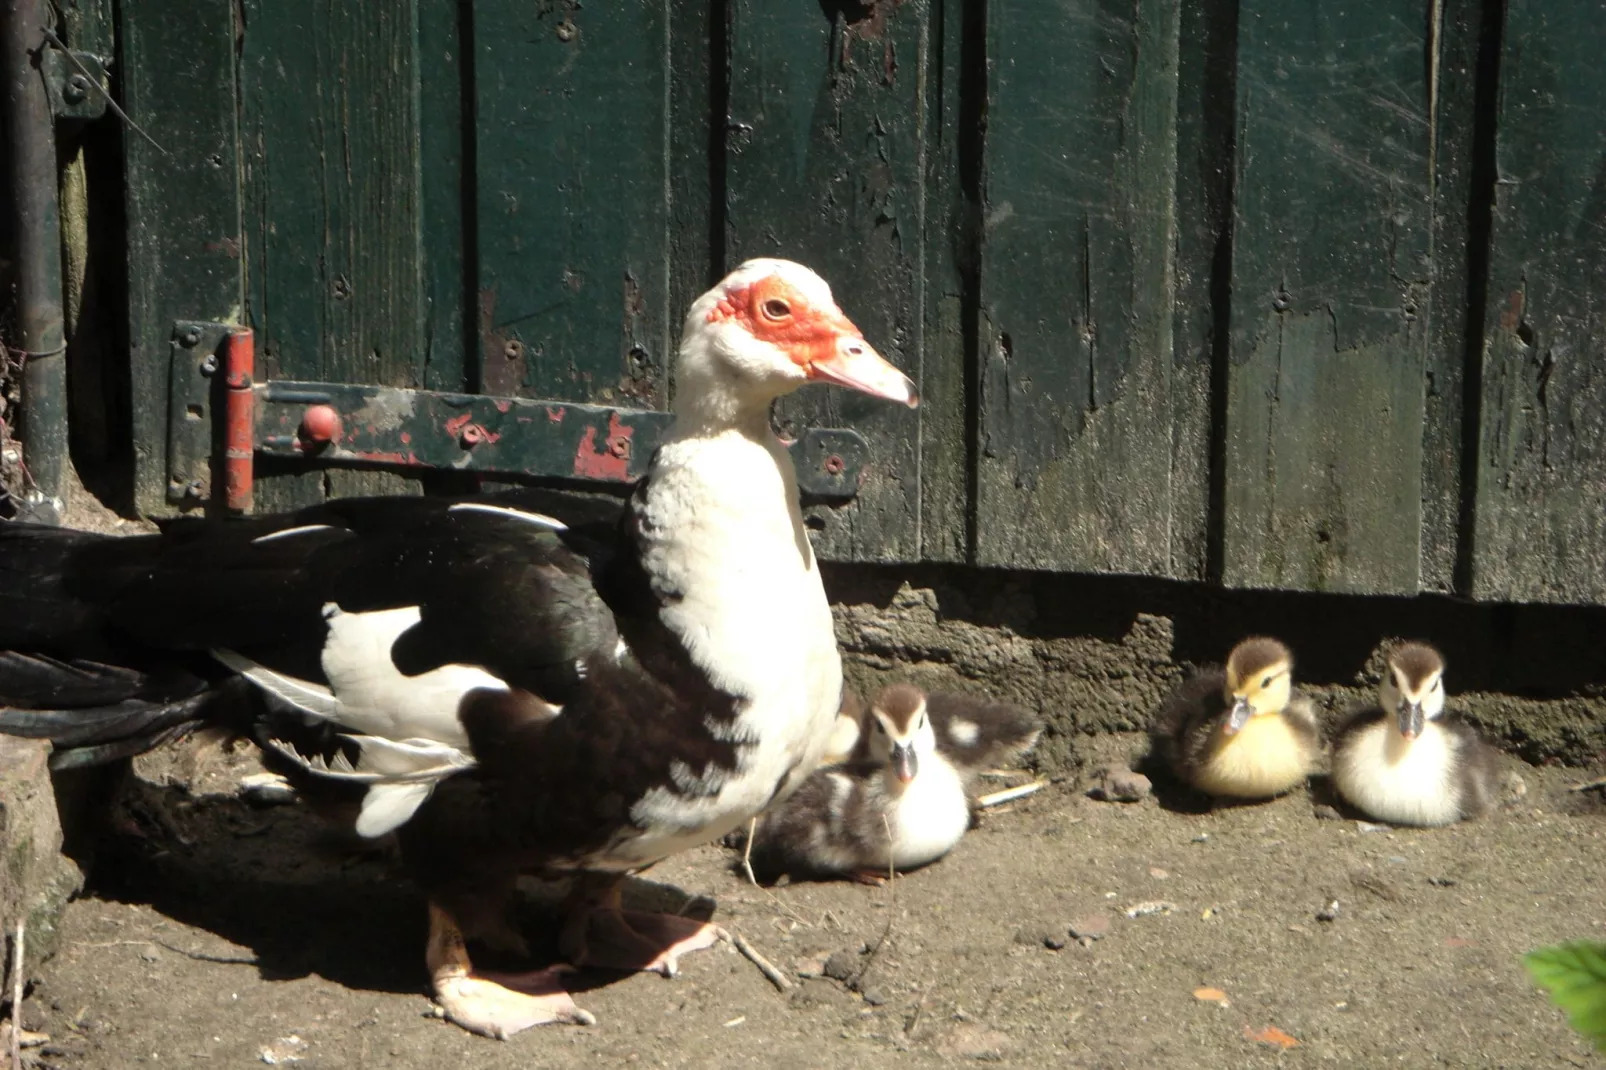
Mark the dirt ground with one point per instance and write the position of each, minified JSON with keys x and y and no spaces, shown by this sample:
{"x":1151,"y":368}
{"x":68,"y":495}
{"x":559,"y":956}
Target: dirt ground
{"x":217,"y":932}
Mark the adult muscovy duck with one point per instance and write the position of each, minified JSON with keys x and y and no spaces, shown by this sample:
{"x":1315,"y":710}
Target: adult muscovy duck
{"x":510,"y":692}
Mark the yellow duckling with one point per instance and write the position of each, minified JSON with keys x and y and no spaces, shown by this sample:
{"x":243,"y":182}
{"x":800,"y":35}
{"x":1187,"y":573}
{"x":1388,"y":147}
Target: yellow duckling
{"x":1240,"y":732}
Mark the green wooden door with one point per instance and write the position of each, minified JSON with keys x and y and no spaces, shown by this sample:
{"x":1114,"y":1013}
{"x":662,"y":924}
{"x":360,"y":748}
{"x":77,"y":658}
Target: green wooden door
{"x":1272,"y":296}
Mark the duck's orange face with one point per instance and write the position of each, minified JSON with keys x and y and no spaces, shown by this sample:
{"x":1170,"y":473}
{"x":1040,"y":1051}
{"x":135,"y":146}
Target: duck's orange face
{"x":813,"y":333}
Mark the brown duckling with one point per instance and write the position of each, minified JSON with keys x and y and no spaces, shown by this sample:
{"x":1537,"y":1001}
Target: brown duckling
{"x":1240,"y":732}
{"x":901,"y":806}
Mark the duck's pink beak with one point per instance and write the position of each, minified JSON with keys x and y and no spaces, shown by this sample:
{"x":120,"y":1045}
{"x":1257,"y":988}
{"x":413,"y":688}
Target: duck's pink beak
{"x":851,"y":362}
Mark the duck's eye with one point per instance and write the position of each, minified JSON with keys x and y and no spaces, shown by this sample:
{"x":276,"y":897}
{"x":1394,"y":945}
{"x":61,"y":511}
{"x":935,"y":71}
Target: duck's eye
{"x":776,"y":309}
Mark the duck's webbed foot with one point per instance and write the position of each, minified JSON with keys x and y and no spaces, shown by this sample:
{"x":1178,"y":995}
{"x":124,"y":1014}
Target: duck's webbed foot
{"x":601,"y":933}
{"x":494,"y":1004}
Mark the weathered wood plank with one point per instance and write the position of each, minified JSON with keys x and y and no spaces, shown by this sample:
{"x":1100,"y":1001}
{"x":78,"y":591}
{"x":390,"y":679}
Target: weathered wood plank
{"x":1541,"y":468}
{"x":183,"y":207}
{"x":332,"y":188}
{"x":953,"y":224}
{"x":1206,"y":109}
{"x":572,"y":113}
{"x":1077,"y":287}
{"x":1331,"y":273}
{"x":449,"y":362}
{"x":1460,"y":251}
{"x":825,"y":166}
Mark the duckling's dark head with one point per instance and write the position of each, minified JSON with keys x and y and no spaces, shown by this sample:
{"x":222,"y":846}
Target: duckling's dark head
{"x":1413,"y":687}
{"x":1260,"y":680}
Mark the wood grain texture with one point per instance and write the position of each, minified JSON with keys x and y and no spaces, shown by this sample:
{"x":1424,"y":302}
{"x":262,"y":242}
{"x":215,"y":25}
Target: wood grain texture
{"x":953,"y":227}
{"x":1541,"y":468}
{"x":572,"y":112}
{"x":1206,"y":109}
{"x":825,"y":166}
{"x":1077,"y":287}
{"x":183,"y":206}
{"x":445,"y":173}
{"x":1331,"y":274}
{"x":330,"y":123}
{"x":1460,"y":245}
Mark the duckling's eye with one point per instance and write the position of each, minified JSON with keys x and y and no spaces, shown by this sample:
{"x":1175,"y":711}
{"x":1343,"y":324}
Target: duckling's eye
{"x":881,"y":728}
{"x":776,"y":309}
{"x":1266,"y":682}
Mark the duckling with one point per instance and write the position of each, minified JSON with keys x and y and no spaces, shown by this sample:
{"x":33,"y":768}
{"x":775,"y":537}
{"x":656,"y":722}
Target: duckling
{"x":973,"y":733}
{"x":845,"y":733}
{"x":1240,"y":732}
{"x":901,"y":806}
{"x":1405,"y":760}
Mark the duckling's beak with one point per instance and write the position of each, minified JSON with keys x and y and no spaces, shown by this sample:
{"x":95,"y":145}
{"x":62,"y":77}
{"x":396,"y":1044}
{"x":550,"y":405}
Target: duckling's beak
{"x":905,"y":762}
{"x":1411,"y":719}
{"x":1239,"y":715}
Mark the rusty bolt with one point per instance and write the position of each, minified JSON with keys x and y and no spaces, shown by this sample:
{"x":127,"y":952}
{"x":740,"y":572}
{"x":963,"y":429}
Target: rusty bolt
{"x":834,"y":464}
{"x":513,"y":350}
{"x":472,"y":436}
{"x":1280,"y":301}
{"x":190,"y":337}
{"x":209,"y":364}
{"x":76,"y":89}
{"x":619,"y":446}
{"x":320,"y":423}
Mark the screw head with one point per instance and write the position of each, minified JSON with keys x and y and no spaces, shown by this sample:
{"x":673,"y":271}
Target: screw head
{"x":1280,"y":301}
{"x":209,"y":365}
{"x":320,"y":423}
{"x":619,"y":446}
{"x":76,"y":89}
{"x":190,"y":337}
{"x":834,"y":464}
{"x":513,"y":350}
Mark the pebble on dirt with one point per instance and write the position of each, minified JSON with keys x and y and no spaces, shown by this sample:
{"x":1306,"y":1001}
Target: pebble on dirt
{"x":1328,"y":912}
{"x":1117,"y":783}
{"x":1042,"y":934}
{"x":1093,"y":927}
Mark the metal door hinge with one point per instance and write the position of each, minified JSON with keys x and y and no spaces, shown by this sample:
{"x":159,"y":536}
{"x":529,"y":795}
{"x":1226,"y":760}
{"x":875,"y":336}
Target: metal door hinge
{"x":220,"y":419}
{"x":76,"y":83}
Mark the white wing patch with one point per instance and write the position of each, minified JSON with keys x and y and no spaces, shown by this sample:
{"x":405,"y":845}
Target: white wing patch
{"x":312,"y":698}
{"x":963,"y":732}
{"x":376,"y":698}
{"x":539,"y":519}
{"x":401,"y":774}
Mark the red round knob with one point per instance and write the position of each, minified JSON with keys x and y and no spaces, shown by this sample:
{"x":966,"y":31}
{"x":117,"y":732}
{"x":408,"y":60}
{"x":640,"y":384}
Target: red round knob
{"x":320,"y":423}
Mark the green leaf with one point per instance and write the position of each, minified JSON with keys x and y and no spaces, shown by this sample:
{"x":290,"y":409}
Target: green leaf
{"x":1575,"y":976}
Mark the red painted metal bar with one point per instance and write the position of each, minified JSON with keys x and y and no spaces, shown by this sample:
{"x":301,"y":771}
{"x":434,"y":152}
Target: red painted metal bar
{"x":239,"y":417}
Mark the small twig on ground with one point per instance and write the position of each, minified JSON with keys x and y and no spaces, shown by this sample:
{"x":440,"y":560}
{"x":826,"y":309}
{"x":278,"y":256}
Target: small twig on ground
{"x":16,"y":995}
{"x":198,"y":956}
{"x":747,"y":852}
{"x":998,"y":798}
{"x":1601,"y":783}
{"x":765,"y":966}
